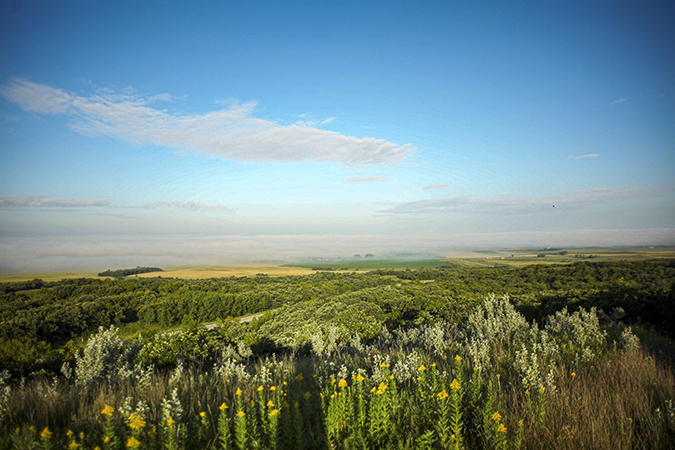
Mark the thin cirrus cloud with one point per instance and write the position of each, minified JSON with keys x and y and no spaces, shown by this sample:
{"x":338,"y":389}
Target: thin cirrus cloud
{"x":616,"y":102}
{"x":190,"y":205}
{"x":591,"y":155}
{"x":364,"y":179}
{"x":430,"y":187}
{"x":39,"y":201}
{"x":511,"y":204}
{"x":232,"y":133}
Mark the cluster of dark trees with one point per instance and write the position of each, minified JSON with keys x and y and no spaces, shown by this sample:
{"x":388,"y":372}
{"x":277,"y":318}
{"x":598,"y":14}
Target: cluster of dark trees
{"x":126,"y":272}
{"x":35,"y":315}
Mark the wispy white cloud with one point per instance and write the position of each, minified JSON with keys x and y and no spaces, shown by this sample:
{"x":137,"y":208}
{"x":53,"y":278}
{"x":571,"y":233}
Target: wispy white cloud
{"x":364,"y":179}
{"x":39,"y":201}
{"x":511,"y":204}
{"x":430,"y":187}
{"x":327,"y":121}
{"x":190,"y":205}
{"x":591,"y":155}
{"x":232,"y":133}
{"x":616,"y":102}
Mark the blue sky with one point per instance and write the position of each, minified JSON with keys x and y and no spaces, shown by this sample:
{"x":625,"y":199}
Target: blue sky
{"x":336,"y":118}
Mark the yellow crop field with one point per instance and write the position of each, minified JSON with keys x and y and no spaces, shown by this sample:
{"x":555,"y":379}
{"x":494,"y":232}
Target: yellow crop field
{"x":226,"y":271}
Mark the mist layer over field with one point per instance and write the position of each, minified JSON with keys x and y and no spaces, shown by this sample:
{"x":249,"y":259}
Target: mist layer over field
{"x":56,"y":254}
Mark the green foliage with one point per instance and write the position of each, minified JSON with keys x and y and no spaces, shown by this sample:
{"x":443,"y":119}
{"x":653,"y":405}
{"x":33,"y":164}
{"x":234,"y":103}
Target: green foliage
{"x":126,"y":272}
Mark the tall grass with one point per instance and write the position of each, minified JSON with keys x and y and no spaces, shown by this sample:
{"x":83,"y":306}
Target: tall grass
{"x":499,"y":383}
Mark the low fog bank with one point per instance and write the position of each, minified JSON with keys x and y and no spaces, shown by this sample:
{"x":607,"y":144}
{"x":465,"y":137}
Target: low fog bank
{"x":98,"y":253}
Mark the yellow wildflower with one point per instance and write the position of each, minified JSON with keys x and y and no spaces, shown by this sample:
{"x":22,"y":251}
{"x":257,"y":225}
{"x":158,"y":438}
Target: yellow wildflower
{"x":136,"y":423}
{"x":496,"y":416}
{"x":452,"y":438}
{"x":574,"y":374}
{"x":299,"y":377}
{"x":381,"y":388}
{"x":68,"y":433}
{"x":202,"y":414}
{"x":106,"y":439}
{"x":273,"y":388}
{"x":443,"y":395}
{"x":307,"y":395}
{"x":260,"y":388}
{"x":97,"y":448}
{"x":46,"y":434}
{"x":542,"y":390}
{"x":153,"y":431}
{"x":274,"y":412}
{"x":501,"y":428}
{"x":241,"y":414}
{"x":433,"y":364}
{"x":384,"y":364}
{"x":252,"y":403}
{"x":359,"y":378}
{"x":391,"y":377}
{"x":133,"y":442}
{"x":315,"y":375}
{"x":238,"y":392}
{"x":458,"y":358}
{"x":108,"y":410}
{"x":342,"y":383}
{"x":223,"y":407}
{"x":521,"y":423}
{"x":332,"y":380}
{"x":422,"y":368}
{"x":286,"y":405}
{"x":285,"y":383}
{"x":455,"y":384}
{"x":170,"y":421}
{"x":270,"y":403}
{"x":73,"y":445}
{"x":297,"y":404}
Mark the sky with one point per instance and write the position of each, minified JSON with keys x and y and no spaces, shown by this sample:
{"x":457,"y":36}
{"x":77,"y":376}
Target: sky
{"x":130,"y":126}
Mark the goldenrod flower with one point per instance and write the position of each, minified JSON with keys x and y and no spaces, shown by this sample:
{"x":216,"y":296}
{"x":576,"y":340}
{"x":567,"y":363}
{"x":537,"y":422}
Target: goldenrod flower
{"x":153,"y":431}
{"x":260,"y":388}
{"x":133,"y":442}
{"x":97,"y":448}
{"x":391,"y":377}
{"x":521,"y":423}
{"x":106,"y":439}
{"x":443,"y":395}
{"x":108,"y":410}
{"x":270,"y":403}
{"x":342,"y":383}
{"x":286,"y":405}
{"x":458,"y":358}
{"x":252,"y":403}
{"x":422,"y":368}
{"x":273,"y":388}
{"x":202,"y":414}
{"x":73,"y":445}
{"x":384,"y":364}
{"x":46,"y":434}
{"x":452,"y":438}
{"x":501,"y":428}
{"x":433,"y":364}
{"x":68,"y":433}
{"x":299,"y":377}
{"x":359,"y":378}
{"x":542,"y":390}
{"x":223,"y":407}
{"x":315,"y":375}
{"x":170,"y":421}
{"x":307,"y":395}
{"x":574,"y":374}
{"x":455,"y":384}
{"x":274,"y":412}
{"x":496,"y":416}
{"x":332,"y":380}
{"x":381,"y":388}
{"x":297,"y":404}
{"x":285,"y":383}
{"x":136,"y":423}
{"x":241,"y":414}
{"x":238,"y":392}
